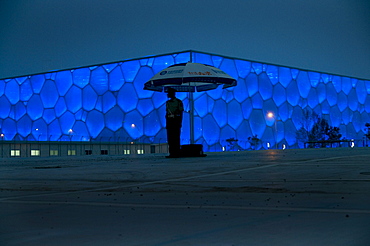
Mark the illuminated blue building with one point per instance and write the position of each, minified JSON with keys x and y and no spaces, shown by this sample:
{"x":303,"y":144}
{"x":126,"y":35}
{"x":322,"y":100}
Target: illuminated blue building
{"x":107,"y":103}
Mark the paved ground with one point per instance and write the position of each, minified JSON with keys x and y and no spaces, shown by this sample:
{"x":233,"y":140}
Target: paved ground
{"x":291,"y":197}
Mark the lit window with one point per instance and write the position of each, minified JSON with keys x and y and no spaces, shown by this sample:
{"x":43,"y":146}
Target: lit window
{"x":15,"y":152}
{"x":140,"y":151}
{"x":126,"y":151}
{"x":35,"y":152}
{"x":53,"y":152}
{"x":71,"y":152}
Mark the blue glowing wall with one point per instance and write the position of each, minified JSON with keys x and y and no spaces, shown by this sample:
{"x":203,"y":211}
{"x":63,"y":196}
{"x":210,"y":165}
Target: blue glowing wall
{"x":108,"y":103}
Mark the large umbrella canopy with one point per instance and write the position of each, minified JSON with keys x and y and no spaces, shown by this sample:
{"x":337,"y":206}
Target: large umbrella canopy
{"x":190,"y":77}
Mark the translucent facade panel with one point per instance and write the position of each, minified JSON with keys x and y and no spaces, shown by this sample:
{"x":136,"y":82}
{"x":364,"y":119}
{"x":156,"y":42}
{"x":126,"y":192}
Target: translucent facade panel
{"x":162,"y":62}
{"x":109,"y":100}
{"x":284,"y":111}
{"x":95,"y":123}
{"x":110,"y":67}
{"x":99,"y":80}
{"x":244,"y":131}
{"x":159,"y":99}
{"x":74,"y":99}
{"x":145,"y":106}
{"x":201,"y":105}
{"x":367,"y":105}
{"x":235,"y":114}
{"x":252,"y":84}
{"x":37,"y":81}
{"x":81,"y":78}
{"x":228,"y":66}
{"x":130,"y":70}
{"x":257,"y":67}
{"x":292,"y":93}
{"x":35,"y":107}
{"x":294,"y":73}
{"x":279,"y":94}
{"x":321,"y":92}
{"x":337,"y":83}
{"x":226,"y":133}
{"x":265,"y":86}
{"x":144,"y":74}
{"x":24,"y":126}
{"x":202,"y":58}
{"x":133,"y":124}
{"x":273,"y":74}
{"x":20,"y":110}
{"x":257,"y":101}
{"x":216,"y":93}
{"x":285,"y":76}
{"x":246,"y":108}
{"x":116,"y":79}
{"x":60,"y":107}
{"x":314,"y":78}
{"x":243,"y":68}
{"x":154,"y":122}
{"x":297,"y":117}
{"x":5,"y":107}
{"x":211,"y":131}
{"x":89,"y":98}
{"x":2,"y":87}
{"x":127,"y":98}
{"x":25,"y":91}
{"x":312,"y":98}
{"x":304,"y":84}
{"x":220,"y":114}
{"x":257,"y":122}
{"x":114,"y":118}
{"x":66,"y":121}
{"x":54,"y":130}
{"x":352,"y":100}
{"x":80,"y":132}
{"x":242,"y":93}
{"x":182,"y":57}
{"x":49,"y":94}
{"x":367,"y":84}
{"x":9,"y":129}
{"x":12,"y":91}
{"x":40,"y":130}
{"x":290,"y":133}
{"x":342,"y":101}
{"x":347,"y":116}
{"x":49,"y":115}
{"x":331,"y":94}
{"x":346,"y":85}
{"x":63,"y":82}
{"x":361,"y":91}
{"x":335,"y":116}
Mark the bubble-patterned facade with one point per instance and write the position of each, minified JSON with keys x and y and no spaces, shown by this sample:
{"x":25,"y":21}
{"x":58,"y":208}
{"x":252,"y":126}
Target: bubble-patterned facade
{"x":107,"y":103}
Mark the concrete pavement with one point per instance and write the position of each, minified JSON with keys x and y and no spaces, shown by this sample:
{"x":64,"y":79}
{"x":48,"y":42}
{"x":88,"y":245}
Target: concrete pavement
{"x":270,"y":197}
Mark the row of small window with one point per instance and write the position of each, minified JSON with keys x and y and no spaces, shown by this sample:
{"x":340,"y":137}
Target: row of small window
{"x":36,"y":152}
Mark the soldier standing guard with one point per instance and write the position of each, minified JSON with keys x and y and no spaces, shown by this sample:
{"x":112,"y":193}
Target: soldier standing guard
{"x":174,"y":110}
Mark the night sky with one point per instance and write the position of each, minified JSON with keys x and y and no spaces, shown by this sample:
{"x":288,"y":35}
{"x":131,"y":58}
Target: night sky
{"x":331,"y":36}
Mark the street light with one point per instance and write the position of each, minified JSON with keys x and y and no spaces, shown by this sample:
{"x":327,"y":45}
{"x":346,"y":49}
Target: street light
{"x":271,"y":115}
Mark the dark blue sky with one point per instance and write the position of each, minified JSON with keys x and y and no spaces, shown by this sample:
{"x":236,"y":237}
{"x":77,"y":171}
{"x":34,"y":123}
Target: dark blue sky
{"x":331,"y":36}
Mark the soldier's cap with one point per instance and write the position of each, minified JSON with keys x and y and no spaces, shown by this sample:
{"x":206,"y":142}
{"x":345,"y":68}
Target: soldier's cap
{"x":171,"y":90}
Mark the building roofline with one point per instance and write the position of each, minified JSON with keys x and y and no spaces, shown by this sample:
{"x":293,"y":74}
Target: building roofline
{"x":179,"y":52}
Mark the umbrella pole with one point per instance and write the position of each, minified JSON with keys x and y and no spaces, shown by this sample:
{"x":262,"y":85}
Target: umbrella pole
{"x":191,"y":106}
{"x":191,"y":117}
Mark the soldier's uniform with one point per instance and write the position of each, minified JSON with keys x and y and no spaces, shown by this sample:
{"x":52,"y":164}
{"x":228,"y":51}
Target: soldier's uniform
{"x":174,"y":110}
